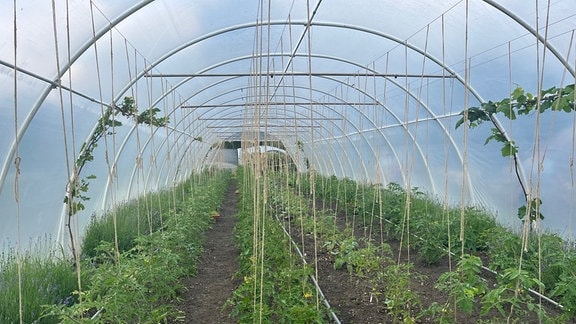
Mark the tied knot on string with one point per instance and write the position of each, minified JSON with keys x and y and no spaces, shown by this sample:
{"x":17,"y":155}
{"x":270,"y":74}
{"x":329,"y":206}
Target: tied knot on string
{"x":17,"y":161}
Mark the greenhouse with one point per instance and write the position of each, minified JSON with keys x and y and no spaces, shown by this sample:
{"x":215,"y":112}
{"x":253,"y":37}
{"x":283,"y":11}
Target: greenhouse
{"x":304,"y":161}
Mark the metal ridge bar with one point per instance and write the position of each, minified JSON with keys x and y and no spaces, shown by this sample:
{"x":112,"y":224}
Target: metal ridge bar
{"x":264,"y":104}
{"x":280,"y":73}
{"x":270,"y":118}
{"x":262,"y":127}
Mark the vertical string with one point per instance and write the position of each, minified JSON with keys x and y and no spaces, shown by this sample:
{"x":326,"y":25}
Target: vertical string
{"x":571,"y":162}
{"x":128,"y":65}
{"x":75,"y":171}
{"x":510,"y":128}
{"x":408,"y":202}
{"x":153,"y":167}
{"x":445,"y":211}
{"x":312,"y":163}
{"x":465,"y":131}
{"x":72,"y":173}
{"x":17,"y":161}
{"x":113,"y":171}
{"x":300,"y":145}
{"x":102,"y":107}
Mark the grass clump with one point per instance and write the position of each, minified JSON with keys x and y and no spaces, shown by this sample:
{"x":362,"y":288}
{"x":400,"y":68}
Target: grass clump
{"x":45,"y":279}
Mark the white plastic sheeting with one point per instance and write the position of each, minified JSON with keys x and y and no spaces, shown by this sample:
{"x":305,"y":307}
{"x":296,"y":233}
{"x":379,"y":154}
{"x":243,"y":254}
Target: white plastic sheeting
{"x":370,"y":89}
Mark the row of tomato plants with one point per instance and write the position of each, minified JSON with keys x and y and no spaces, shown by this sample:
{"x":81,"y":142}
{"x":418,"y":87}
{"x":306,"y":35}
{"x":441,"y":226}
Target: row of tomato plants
{"x":363,"y":258}
{"x":548,"y":265}
{"x":129,"y":272}
{"x":276,"y":286}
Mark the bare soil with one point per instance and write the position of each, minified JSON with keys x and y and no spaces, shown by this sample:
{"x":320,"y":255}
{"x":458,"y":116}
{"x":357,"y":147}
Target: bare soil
{"x":205,"y":294}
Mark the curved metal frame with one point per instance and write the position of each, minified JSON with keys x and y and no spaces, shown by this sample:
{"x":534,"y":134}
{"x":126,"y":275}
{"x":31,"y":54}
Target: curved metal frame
{"x":22,"y":129}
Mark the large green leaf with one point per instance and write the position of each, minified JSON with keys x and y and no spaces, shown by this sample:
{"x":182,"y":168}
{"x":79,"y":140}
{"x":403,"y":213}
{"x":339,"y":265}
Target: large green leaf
{"x":509,"y":148}
{"x":506,"y":108}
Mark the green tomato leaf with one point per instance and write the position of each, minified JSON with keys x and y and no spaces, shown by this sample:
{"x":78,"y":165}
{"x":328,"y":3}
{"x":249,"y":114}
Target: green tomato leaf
{"x":459,"y":122}
{"x":509,"y":149}
{"x":550,"y":91}
{"x":489,"y":107}
{"x":497,"y":136}
{"x":522,"y":212}
{"x":475,"y":116}
{"x":507,"y":109}
{"x":517,"y":93}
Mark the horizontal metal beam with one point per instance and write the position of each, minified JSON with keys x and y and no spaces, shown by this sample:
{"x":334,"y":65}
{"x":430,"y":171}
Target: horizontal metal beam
{"x":229,"y":131}
{"x":262,"y":127}
{"x":282,"y":74}
{"x":271,"y":118}
{"x":264,"y":104}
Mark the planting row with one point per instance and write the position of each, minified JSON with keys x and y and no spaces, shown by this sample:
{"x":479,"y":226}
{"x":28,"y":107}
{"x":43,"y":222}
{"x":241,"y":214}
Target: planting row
{"x":276,"y":287}
{"x":380,"y":215}
{"x":131,"y":262}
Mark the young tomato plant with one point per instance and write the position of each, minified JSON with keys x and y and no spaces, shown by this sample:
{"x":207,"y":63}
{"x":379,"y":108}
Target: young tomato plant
{"x":401,"y":301}
{"x":464,"y":286}
{"x":510,"y":297}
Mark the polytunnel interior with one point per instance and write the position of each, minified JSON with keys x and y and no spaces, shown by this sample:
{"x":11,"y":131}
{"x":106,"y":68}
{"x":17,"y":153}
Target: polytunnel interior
{"x":103,"y":102}
{"x":372,"y":89}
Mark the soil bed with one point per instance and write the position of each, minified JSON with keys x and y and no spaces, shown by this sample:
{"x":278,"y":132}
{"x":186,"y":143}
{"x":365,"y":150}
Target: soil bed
{"x":206,"y":293}
{"x":353,"y":298}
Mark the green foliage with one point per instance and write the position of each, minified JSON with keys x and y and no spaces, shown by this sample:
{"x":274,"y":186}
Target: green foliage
{"x":464,"y":286}
{"x":140,"y":285}
{"x":106,"y":124}
{"x":132,"y":219}
{"x":274,"y":277}
{"x":134,"y":289}
{"x":401,"y":301}
{"x":531,"y":211}
{"x":45,"y":280}
{"x":359,"y":260}
{"x":565,"y":288}
{"x":519,"y":103}
{"x":476,"y":223}
{"x":510,"y":297}
{"x":505,"y":248}
{"x":545,"y":255}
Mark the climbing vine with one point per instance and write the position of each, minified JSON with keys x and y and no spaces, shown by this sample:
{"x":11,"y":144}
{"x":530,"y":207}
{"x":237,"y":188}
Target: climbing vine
{"x":519,"y":103}
{"x":78,"y":186}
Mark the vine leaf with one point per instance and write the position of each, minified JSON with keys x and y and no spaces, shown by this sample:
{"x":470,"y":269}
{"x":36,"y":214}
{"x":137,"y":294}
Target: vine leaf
{"x":506,"y":108}
{"x":77,"y":187}
{"x":533,"y":214}
{"x":497,"y":136}
{"x":509,"y":149}
{"x":475,"y":117}
{"x":520,"y":102}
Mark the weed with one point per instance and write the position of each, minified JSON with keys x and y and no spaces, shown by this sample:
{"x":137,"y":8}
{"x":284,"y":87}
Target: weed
{"x":45,"y":280}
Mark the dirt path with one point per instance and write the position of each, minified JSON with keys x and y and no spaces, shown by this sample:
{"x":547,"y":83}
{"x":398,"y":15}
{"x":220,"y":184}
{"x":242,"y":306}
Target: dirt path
{"x":207,"y":292}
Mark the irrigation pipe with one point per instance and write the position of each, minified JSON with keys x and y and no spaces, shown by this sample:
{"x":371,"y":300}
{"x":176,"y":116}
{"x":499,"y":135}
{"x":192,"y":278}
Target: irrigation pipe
{"x":530,"y":290}
{"x":97,"y":313}
{"x":318,"y":289}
